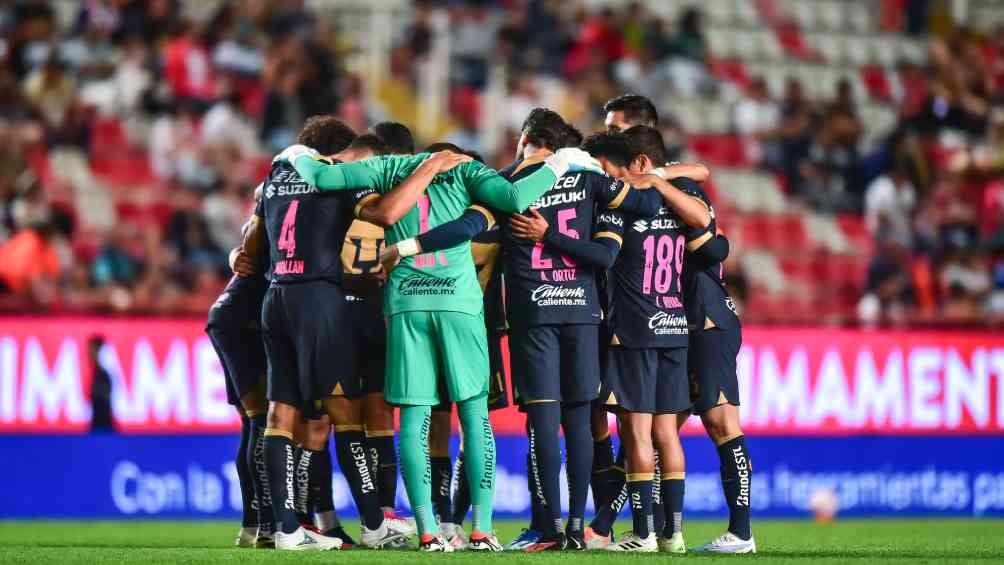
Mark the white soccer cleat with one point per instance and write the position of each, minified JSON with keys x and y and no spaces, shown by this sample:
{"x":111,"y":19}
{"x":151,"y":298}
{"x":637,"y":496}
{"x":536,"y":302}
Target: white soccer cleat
{"x":728,"y":543}
{"x":386,"y":536}
{"x":435,"y":545}
{"x":303,"y":540}
{"x":404,"y":525}
{"x":454,"y":535}
{"x":246,"y":537}
{"x":485,"y":543}
{"x":673,"y":544}
{"x":631,"y":542}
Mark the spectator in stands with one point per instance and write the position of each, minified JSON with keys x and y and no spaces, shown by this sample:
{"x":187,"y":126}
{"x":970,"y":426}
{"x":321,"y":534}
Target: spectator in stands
{"x":889,"y":293}
{"x":116,"y":263}
{"x":30,"y":265}
{"x":890,"y":201}
{"x":965,"y":284}
{"x":225,"y":212}
{"x":689,"y":55}
{"x":50,"y":90}
{"x":757,"y":119}
{"x":187,"y":67}
{"x":175,"y":150}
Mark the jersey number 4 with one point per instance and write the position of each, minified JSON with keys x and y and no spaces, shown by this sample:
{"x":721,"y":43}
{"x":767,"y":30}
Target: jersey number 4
{"x":287,"y":235}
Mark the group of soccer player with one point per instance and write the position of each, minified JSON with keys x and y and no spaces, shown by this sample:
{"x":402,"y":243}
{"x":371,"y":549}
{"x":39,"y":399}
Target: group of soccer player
{"x":371,"y":279}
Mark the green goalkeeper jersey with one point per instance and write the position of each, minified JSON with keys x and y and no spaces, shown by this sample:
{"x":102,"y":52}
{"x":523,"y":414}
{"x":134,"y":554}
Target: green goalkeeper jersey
{"x":444,"y":280}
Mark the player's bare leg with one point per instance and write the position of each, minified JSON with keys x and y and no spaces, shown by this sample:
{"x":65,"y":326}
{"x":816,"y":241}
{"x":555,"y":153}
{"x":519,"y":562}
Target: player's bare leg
{"x":671,"y":458}
{"x":636,"y":437}
{"x":346,"y":418}
{"x":722,"y":424}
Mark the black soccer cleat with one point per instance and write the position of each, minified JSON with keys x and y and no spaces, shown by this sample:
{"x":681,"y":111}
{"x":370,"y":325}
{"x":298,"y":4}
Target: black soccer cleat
{"x":575,"y":540}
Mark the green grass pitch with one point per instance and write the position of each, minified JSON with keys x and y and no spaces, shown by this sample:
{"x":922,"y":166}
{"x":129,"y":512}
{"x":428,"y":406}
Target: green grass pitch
{"x":845,"y":541}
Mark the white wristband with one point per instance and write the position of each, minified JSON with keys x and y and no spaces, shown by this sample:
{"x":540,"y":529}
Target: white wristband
{"x":408,"y":247}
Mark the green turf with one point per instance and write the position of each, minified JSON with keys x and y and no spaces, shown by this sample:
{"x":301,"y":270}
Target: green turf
{"x":848,"y":541}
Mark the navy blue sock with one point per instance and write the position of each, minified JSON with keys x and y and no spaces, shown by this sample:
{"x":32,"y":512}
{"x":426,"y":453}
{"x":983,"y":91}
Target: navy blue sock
{"x":545,"y":459}
{"x":383,"y":456}
{"x":639,"y":486}
{"x":672,"y":484}
{"x":537,"y":515}
{"x":352,"y":460}
{"x":249,"y":505}
{"x":259,"y":474}
{"x":280,"y":462}
{"x":575,"y":420}
{"x":442,"y":480}
{"x":321,"y":496}
{"x":302,"y":463}
{"x":461,"y":494}
{"x":603,"y":463}
{"x":737,"y":474}
{"x":603,"y":523}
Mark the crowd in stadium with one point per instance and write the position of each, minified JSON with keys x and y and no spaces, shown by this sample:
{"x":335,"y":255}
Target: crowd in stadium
{"x":123,"y":121}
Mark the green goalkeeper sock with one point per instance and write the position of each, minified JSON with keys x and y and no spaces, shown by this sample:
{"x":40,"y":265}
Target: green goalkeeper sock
{"x":415,"y":466}
{"x":479,"y":460}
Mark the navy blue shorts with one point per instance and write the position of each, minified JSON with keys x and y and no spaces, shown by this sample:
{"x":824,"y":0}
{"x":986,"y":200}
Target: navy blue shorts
{"x":309,"y":343}
{"x":371,"y":342}
{"x":648,"y":381}
{"x":712,"y":367}
{"x":242,"y":355}
{"x":555,"y":362}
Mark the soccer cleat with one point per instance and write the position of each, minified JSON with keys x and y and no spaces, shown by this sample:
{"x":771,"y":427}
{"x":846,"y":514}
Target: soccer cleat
{"x":482,"y":542}
{"x":340,"y":533}
{"x":435,"y":544}
{"x":404,"y":525}
{"x":246,"y":537}
{"x":264,"y":540}
{"x":597,"y":541}
{"x":728,"y":543}
{"x":454,"y":535}
{"x":386,"y":536}
{"x":557,"y":542}
{"x":525,"y":539}
{"x":673,"y":544}
{"x":575,"y":540}
{"x":303,"y":540}
{"x":631,"y":542}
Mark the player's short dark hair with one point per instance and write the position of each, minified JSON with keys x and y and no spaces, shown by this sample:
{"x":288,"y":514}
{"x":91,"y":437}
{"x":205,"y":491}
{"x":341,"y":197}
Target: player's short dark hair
{"x":613,"y":147}
{"x":371,"y":142}
{"x":326,"y":134}
{"x":572,"y":137}
{"x":647,"y":141}
{"x":397,"y":136}
{"x":475,"y":155}
{"x":544,"y":118}
{"x":637,"y":109}
{"x":445,"y":146}
{"x":544,"y":138}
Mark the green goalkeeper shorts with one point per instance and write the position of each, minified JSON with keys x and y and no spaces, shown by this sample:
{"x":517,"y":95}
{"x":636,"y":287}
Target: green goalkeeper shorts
{"x":435,"y":356}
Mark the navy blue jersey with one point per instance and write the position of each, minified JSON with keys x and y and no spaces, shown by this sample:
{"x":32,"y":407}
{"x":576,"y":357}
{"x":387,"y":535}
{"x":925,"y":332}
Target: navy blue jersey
{"x":306,"y":227}
{"x":544,"y":286}
{"x":239,"y":306}
{"x":705,"y":295}
{"x":645,"y":283}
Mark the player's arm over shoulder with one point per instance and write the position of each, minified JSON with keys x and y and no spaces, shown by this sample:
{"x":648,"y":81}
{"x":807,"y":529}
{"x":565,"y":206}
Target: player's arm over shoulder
{"x":492,"y":189}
